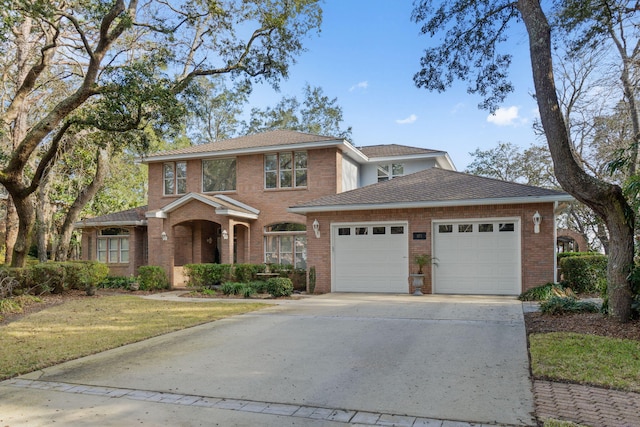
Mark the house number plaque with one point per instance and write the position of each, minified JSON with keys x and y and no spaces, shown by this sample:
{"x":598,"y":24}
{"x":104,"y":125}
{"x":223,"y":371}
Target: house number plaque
{"x":420,"y":236}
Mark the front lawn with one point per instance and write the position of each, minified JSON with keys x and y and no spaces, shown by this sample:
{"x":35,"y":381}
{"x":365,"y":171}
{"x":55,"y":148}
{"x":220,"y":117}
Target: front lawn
{"x":84,"y":326}
{"x":588,"y":359}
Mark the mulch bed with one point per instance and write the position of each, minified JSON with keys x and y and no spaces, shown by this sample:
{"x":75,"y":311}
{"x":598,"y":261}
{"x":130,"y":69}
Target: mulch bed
{"x":582,"y":323}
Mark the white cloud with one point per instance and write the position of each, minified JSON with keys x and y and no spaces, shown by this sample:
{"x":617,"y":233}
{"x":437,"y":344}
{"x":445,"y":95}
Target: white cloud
{"x":361,"y":85}
{"x":507,"y":117}
{"x":412,"y":118}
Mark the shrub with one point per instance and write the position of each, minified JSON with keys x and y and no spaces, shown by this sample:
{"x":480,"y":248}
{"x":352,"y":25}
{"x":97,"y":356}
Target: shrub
{"x":260,"y":286}
{"x":152,"y":277}
{"x":117,"y":282}
{"x":8,"y":283}
{"x":48,"y":277}
{"x":563,"y":305}
{"x":247,"y":272}
{"x":247,"y":290}
{"x":585,"y":273}
{"x":542,"y":293}
{"x":73,"y":274}
{"x":312,"y":280}
{"x":231,"y":288}
{"x":92,"y":273}
{"x":279,"y":287}
{"x":207,"y":275}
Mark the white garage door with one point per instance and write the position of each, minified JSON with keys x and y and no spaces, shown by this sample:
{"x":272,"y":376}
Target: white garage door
{"x":477,"y":257}
{"x":370,"y":257}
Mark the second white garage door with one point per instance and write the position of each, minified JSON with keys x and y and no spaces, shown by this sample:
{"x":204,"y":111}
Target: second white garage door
{"x":477,"y":257}
{"x":370,"y":257}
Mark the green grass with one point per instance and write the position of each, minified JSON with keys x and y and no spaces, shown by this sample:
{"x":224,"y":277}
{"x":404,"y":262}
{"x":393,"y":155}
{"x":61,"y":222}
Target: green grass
{"x":86,"y":326}
{"x":556,"y":423}
{"x":588,"y":359}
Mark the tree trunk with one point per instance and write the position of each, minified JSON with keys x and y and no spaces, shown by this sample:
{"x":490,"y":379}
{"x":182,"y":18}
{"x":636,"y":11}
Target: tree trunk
{"x":102,"y":169}
{"x":27,"y":214}
{"x":44,"y":213}
{"x":606,"y":200}
{"x":11,"y":230}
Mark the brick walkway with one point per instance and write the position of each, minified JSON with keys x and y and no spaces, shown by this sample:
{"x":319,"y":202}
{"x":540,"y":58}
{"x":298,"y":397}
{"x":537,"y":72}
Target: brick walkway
{"x":590,"y":406}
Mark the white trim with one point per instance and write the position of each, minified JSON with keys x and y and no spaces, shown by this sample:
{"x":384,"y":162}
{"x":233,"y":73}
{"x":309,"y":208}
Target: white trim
{"x":430,"y":204}
{"x":101,"y":224}
{"x":219,"y":208}
{"x":344,"y":145}
{"x":237,"y":203}
{"x":517,"y":231}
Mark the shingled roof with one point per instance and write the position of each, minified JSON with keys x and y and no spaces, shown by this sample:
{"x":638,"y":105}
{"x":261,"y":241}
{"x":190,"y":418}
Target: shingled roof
{"x":432,"y":187}
{"x":131,"y":217}
{"x":392,"y":150}
{"x":275,"y":138}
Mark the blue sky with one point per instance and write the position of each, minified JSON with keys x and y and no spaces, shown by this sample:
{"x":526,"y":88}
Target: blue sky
{"x":366,"y":56}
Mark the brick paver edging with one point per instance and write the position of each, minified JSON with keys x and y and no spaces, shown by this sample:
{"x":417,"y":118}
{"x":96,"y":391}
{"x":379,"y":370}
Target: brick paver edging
{"x":591,"y":406}
{"x":353,"y":417}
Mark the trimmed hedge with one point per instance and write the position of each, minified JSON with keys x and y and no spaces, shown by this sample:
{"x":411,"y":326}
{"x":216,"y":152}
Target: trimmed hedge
{"x":584,"y":273}
{"x":207,"y":275}
{"x":279,"y":287}
{"x":152,"y":277}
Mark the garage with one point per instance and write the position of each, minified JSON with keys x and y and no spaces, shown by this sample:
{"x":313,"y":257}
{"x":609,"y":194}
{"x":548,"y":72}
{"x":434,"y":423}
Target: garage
{"x":370,"y":257}
{"x":479,"y":257}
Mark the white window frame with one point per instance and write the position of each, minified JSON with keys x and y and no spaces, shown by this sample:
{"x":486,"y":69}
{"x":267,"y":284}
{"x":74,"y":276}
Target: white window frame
{"x":388,"y":170}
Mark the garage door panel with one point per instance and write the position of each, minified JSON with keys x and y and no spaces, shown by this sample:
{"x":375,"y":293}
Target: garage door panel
{"x":475,"y":261}
{"x":370,"y":262}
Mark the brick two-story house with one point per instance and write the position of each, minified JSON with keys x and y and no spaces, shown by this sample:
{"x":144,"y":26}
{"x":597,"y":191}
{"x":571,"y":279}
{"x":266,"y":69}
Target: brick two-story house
{"x":358,"y":215}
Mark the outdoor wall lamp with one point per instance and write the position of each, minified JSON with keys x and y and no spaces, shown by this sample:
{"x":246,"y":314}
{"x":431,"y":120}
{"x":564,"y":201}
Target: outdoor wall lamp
{"x":164,"y":236}
{"x":537,"y":219}
{"x":210,"y":240}
{"x":316,"y":228}
{"x":225,"y":235}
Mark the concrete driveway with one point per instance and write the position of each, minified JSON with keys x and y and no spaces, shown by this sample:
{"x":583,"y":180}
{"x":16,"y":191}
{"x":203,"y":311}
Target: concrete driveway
{"x":330,"y":360}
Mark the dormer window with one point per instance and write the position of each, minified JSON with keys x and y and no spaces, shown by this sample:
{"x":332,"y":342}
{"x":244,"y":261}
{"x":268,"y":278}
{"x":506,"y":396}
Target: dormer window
{"x":285,"y":170}
{"x":390,"y":171}
{"x":175,"y":178}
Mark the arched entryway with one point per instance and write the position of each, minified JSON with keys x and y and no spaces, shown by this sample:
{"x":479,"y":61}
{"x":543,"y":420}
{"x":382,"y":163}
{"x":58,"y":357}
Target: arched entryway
{"x":196,"y":242}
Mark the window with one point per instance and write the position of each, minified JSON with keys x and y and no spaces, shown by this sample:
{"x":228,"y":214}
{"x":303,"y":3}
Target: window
{"x":362,"y":231}
{"x":379,"y":230}
{"x":465,"y":228}
{"x":113,"y":246}
{"x":445,"y":228}
{"x":219,"y":175}
{"x":344,"y":231}
{"x":390,"y":171}
{"x":286,"y":243}
{"x":485,"y":228}
{"x":397,"y":230}
{"x":175,"y":178}
{"x":509,"y":226}
{"x":285,"y":170}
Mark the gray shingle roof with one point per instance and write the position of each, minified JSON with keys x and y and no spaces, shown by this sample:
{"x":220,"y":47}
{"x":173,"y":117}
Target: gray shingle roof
{"x":391,"y":150}
{"x":434,"y":186}
{"x":265,"y":139}
{"x":134,"y":216}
